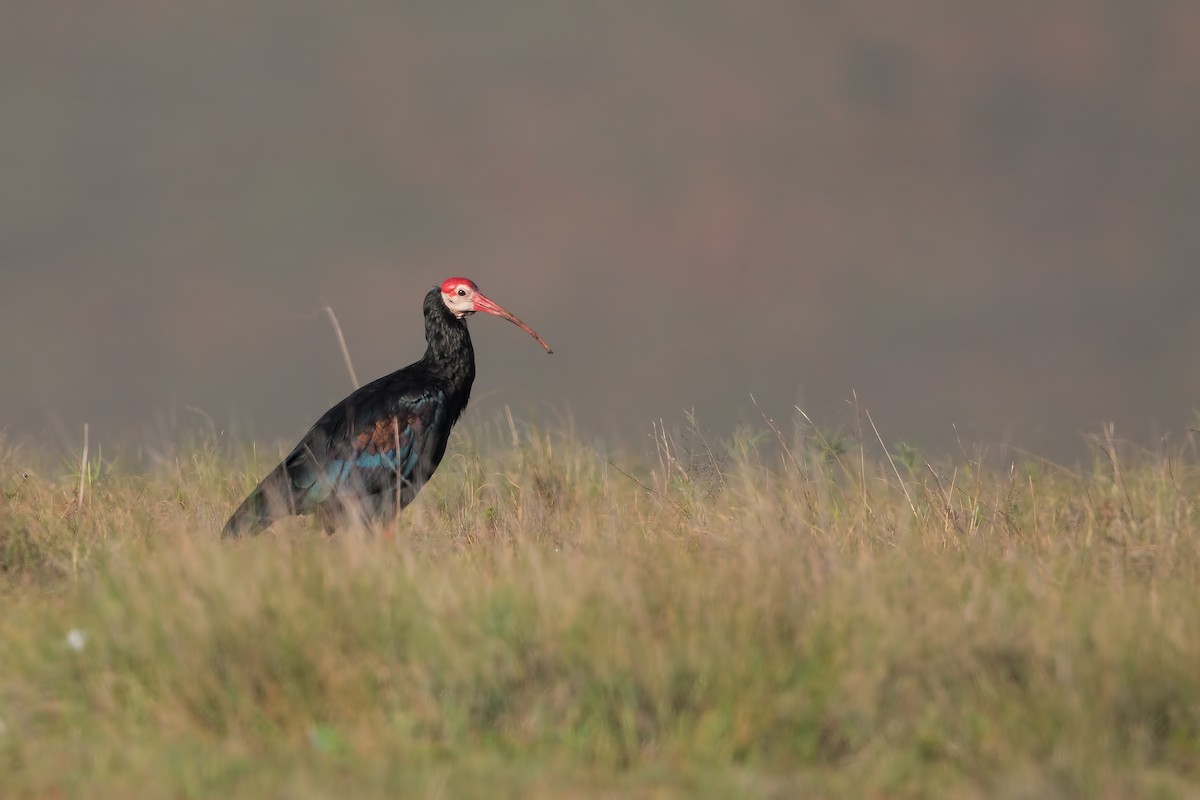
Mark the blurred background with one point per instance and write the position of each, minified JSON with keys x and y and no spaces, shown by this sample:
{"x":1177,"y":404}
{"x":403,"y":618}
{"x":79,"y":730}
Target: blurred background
{"x":982,"y":218}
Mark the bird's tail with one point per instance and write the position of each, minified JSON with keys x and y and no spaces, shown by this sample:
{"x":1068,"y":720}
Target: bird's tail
{"x":260,"y":509}
{"x":251,"y":517}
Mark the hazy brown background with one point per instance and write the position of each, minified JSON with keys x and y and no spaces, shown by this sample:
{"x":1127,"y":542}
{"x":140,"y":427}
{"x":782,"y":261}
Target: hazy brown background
{"x":972,"y":212}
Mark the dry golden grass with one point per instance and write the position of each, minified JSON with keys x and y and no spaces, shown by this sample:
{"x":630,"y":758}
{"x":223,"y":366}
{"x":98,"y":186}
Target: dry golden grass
{"x":748,"y":619}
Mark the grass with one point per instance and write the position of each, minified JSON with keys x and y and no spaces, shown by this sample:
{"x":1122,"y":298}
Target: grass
{"x":761,"y":618}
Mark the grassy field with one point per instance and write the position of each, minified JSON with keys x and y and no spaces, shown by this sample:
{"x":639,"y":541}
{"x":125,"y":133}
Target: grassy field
{"x":767,"y":617}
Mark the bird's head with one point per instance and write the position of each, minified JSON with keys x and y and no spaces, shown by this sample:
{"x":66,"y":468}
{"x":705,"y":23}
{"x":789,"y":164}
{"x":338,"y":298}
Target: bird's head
{"x":462,"y":297}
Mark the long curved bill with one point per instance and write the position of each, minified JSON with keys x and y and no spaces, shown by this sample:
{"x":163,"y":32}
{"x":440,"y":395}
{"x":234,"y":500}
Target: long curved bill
{"x":490,"y":306}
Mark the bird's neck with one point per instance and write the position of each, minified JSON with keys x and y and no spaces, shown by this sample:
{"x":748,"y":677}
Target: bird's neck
{"x":449,"y":355}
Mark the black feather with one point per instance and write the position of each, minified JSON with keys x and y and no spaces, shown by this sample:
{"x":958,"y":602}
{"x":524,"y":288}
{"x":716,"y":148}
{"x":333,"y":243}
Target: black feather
{"x":369,"y":455}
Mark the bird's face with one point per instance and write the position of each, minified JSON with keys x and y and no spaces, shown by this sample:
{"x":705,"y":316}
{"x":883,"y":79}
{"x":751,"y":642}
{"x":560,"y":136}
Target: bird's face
{"x":460,"y":295}
{"x":463,"y":297}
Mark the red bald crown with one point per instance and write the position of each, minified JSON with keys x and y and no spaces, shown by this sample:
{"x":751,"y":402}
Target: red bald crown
{"x":450,"y":284}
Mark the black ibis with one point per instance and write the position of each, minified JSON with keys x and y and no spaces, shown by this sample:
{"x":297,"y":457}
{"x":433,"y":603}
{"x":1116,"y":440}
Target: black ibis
{"x":368,"y":456}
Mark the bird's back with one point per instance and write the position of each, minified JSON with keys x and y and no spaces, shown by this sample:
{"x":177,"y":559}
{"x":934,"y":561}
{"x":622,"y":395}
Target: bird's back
{"x":365,"y":458}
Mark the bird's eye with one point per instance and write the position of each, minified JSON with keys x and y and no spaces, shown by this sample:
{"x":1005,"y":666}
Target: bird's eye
{"x":462,"y":292}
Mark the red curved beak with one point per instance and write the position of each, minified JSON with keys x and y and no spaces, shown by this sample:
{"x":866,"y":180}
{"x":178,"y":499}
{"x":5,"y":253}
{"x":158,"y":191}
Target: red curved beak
{"x":490,"y":306}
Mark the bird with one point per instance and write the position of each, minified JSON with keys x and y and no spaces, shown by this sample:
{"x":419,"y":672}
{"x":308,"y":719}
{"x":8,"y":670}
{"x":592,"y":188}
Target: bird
{"x":368,"y":456}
